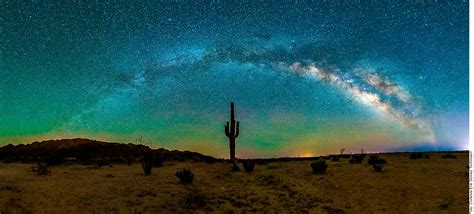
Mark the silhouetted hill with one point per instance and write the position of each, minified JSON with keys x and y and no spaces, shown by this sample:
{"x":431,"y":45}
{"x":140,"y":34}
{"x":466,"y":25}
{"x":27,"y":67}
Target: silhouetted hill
{"x":85,"y":149}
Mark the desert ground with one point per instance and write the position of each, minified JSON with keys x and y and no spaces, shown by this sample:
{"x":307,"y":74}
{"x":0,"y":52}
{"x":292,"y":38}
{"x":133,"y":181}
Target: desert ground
{"x":427,"y":185}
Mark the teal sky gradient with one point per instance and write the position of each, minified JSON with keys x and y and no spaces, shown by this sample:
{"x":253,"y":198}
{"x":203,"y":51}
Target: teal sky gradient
{"x":167,"y":72}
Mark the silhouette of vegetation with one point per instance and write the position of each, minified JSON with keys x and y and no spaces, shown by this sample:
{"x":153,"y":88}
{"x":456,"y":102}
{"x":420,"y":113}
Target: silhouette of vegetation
{"x":185,"y":176}
{"x":449,"y":155}
{"x":375,"y":159}
{"x":232,"y":131}
{"x":234,"y":168}
{"x":147,"y":163}
{"x":248,"y":165}
{"x":334,"y":158}
{"x":319,"y":166}
{"x":378,"y":167}
{"x":41,"y":169}
{"x":357,"y":159}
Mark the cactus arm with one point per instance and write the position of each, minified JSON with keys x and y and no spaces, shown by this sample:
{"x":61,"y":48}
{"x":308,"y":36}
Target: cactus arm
{"x":226,"y":130}
{"x":237,"y":129}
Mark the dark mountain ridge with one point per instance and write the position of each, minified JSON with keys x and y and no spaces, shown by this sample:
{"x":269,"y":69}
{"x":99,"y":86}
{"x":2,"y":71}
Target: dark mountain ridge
{"x":81,"y":150}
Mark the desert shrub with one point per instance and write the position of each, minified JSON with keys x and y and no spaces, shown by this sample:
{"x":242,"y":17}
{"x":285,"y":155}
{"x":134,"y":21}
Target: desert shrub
{"x":234,"y":168}
{"x":378,"y":167}
{"x":356,"y":159}
{"x":449,"y":155}
{"x":185,"y":176}
{"x":335,"y":158}
{"x":415,"y":156}
{"x":375,"y":159}
{"x":147,"y":164}
{"x":43,"y":169}
{"x":319,"y":166}
{"x":248,"y":165}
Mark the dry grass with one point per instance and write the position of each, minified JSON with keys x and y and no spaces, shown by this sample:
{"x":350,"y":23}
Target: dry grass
{"x":433,"y":185}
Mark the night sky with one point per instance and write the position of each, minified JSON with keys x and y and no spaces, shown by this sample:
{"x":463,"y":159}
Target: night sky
{"x":307,"y":77}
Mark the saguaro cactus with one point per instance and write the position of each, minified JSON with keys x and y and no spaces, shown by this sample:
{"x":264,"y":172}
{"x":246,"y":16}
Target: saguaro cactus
{"x":232,"y":132}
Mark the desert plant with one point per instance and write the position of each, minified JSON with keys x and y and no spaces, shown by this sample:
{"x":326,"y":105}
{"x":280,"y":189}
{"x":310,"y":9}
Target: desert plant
{"x":449,"y":155}
{"x":375,"y":159}
{"x":234,"y":168}
{"x":248,"y":165}
{"x":232,"y":131}
{"x":335,"y":158}
{"x":185,"y":176}
{"x":378,"y":167}
{"x":356,"y":159}
{"x":43,"y":169}
{"x":319,"y":166}
{"x":147,"y":164}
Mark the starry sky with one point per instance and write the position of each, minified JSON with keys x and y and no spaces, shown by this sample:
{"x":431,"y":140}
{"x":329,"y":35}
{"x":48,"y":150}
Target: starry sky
{"x":307,"y":77}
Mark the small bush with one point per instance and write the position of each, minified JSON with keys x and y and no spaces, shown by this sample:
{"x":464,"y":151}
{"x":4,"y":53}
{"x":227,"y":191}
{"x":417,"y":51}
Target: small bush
{"x":449,"y":155}
{"x":378,"y":167}
{"x":43,"y":169}
{"x":335,"y":158}
{"x":356,"y":159}
{"x":375,"y":159}
{"x":415,"y":156}
{"x":248,"y":165}
{"x":147,"y":164}
{"x":234,"y":168}
{"x":185,"y":176}
{"x":319,"y":166}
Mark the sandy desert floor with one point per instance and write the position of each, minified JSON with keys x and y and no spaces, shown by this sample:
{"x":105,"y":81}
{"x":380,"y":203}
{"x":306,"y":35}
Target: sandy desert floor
{"x":434,"y":185}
